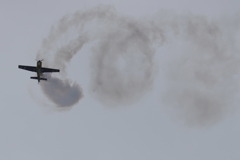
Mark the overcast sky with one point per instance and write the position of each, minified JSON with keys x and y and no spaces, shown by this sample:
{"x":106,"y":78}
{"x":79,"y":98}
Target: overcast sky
{"x":139,"y":80}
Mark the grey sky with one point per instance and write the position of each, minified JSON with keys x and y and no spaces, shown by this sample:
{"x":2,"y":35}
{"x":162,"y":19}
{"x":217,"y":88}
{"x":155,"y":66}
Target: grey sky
{"x":152,"y":126}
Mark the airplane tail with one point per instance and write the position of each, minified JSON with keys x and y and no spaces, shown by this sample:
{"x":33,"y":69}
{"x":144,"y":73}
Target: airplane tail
{"x":45,"y":79}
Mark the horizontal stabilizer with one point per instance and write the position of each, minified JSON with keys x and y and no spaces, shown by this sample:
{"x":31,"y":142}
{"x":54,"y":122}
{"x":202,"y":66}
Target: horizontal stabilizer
{"x":39,"y":78}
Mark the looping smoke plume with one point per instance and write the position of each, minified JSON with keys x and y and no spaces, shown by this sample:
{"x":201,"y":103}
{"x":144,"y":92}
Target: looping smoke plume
{"x":201,"y":79}
{"x":122,"y":65}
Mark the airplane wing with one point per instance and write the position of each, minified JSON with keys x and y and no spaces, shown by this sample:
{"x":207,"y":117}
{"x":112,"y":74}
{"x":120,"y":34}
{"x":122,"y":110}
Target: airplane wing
{"x":29,"y":68}
{"x":49,"y":70}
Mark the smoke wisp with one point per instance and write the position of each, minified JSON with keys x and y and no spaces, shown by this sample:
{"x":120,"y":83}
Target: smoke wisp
{"x":202,"y":78}
{"x":64,"y":94}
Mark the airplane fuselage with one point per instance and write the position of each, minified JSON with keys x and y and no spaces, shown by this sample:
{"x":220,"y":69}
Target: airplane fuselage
{"x":39,"y":69}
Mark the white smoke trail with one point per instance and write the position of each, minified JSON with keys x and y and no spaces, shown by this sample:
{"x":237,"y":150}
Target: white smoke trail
{"x":201,"y":79}
{"x":119,"y":38}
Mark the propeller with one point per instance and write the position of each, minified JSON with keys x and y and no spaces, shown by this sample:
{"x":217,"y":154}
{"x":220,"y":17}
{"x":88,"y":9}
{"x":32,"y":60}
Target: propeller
{"x":39,"y":60}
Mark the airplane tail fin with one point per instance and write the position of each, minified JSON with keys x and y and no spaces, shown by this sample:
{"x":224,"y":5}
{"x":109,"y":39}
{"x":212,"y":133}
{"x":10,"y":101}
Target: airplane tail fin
{"x":45,"y":79}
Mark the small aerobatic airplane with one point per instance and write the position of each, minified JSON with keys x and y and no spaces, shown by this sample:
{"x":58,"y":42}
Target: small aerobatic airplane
{"x":39,"y":69}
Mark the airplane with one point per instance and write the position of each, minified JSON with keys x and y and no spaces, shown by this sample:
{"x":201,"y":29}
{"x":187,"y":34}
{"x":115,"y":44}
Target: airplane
{"x":39,"y":69}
